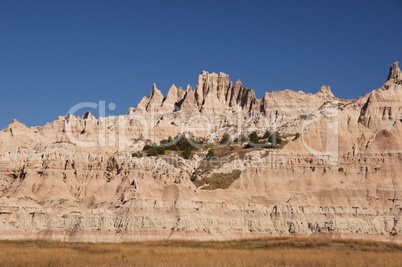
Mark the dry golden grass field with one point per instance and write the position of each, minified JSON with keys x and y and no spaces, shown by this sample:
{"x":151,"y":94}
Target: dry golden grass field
{"x":280,"y":251}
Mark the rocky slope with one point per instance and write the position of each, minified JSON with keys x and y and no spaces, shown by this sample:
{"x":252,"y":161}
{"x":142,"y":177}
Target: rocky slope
{"x":77,"y":179}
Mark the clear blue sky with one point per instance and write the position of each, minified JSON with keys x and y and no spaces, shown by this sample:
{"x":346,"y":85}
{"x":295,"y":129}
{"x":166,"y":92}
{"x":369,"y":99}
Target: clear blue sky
{"x":55,"y":54}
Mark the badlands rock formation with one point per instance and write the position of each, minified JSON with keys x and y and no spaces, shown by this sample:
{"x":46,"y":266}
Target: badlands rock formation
{"x":77,"y":179}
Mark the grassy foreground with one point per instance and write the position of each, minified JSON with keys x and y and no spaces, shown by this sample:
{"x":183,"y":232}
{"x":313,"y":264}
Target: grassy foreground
{"x":280,"y":251}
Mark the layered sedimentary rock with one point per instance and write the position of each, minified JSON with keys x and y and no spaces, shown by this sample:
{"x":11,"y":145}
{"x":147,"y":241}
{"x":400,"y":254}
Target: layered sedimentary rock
{"x":395,"y":72}
{"x":76,"y":179}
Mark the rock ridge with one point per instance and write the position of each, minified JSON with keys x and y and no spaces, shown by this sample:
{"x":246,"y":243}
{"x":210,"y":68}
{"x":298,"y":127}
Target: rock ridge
{"x":339,"y":177}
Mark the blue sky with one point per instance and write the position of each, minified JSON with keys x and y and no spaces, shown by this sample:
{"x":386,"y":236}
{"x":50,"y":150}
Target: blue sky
{"x":55,"y":54}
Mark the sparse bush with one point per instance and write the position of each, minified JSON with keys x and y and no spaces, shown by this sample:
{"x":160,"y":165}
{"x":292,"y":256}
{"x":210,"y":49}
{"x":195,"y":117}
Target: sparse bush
{"x":253,"y":138}
{"x":136,"y":154}
{"x":225,"y":140}
{"x":296,"y":136}
{"x":166,"y":141}
{"x":151,"y":152}
{"x":266,"y":135}
{"x":186,"y":154}
{"x":154,"y":151}
{"x":184,"y":144}
{"x":241,"y":138}
{"x":168,"y":144}
{"x":275,"y":139}
{"x":202,"y":141}
{"x":210,"y":155}
{"x":147,"y":147}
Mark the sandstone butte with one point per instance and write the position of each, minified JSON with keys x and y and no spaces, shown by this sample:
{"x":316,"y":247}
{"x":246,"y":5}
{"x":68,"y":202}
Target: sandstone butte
{"x":77,"y":179}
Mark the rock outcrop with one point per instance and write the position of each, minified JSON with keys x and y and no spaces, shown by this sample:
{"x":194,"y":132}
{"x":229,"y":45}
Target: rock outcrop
{"x":153,"y":101}
{"x":77,"y":179}
{"x":395,"y":72}
{"x":172,"y":99}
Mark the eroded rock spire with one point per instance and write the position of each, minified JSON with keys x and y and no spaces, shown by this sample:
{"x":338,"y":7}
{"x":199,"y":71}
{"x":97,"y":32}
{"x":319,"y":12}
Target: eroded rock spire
{"x":394,"y":72}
